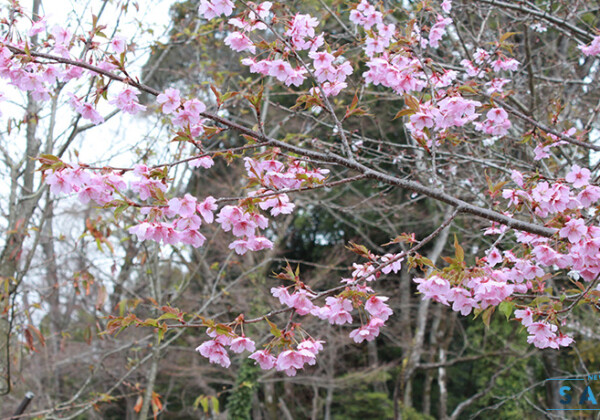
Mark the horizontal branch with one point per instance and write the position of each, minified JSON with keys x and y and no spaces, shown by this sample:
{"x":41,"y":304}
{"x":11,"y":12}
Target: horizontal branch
{"x":519,"y":7}
{"x":327,"y":156}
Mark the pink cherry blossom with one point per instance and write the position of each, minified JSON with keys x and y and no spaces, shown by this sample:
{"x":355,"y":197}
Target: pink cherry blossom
{"x":578,"y":176}
{"x":241,"y":344}
{"x":211,"y":9}
{"x":574,"y":229}
{"x":593,"y":48}
{"x":525,"y":316}
{"x":207,"y":207}
{"x":37,"y":27}
{"x":215,"y":352}
{"x":238,"y":41}
{"x":204,"y":162}
{"x":265,"y":359}
{"x":170,"y":100}
{"x":377,"y":307}
{"x":367,"y":332}
{"x":118,"y":44}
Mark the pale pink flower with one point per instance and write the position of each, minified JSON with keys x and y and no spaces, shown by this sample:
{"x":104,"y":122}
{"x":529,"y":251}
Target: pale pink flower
{"x":207,"y":207}
{"x":265,"y":359}
{"x":525,"y":316}
{"x":578,"y":176}
{"x":170,"y":100}
{"x":37,"y":27}
{"x":238,"y":41}
{"x":377,"y":307}
{"x":118,"y":44}
{"x":574,"y":229}
{"x":241,"y":344}
{"x":215,"y":352}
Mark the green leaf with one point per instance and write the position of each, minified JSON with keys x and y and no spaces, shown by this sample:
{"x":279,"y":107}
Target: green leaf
{"x":274,"y":330}
{"x":458,"y":251}
{"x":506,"y":308}
{"x":487,"y":315}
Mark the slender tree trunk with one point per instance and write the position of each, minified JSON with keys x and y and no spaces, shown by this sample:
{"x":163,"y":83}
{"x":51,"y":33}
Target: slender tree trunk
{"x":315,"y":403}
{"x":271,"y":401}
{"x":53,"y":285}
{"x":328,"y":402}
{"x":443,"y":407}
{"x":433,"y":339}
{"x":155,"y":291}
{"x":550,"y":360}
{"x":403,"y":386}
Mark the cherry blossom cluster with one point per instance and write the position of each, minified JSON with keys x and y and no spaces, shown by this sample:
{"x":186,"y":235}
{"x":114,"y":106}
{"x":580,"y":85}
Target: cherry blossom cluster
{"x":488,"y":287}
{"x":542,"y":150}
{"x":541,"y":333}
{"x":496,"y":61}
{"x":329,"y":71}
{"x":186,"y":116}
{"x":593,"y":48}
{"x":239,"y":41}
{"x":214,"y":350}
{"x":337,"y":310}
{"x":491,"y":285}
{"x":287,"y":361}
{"x":89,"y":186}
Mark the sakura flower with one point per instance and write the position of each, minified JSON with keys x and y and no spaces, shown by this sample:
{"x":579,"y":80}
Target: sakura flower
{"x":377,"y":307}
{"x":525,"y":316}
{"x":394,"y":266}
{"x":204,"y":162}
{"x":265,"y":359}
{"x":118,"y":44}
{"x":564,"y":340}
{"x":462,"y":300}
{"x":367,"y":332}
{"x":337,"y":311}
{"x":593,"y":48}
{"x":291,"y":360}
{"x":257,"y":243}
{"x":215,"y":352}
{"x":574,"y":229}
{"x":61,"y":35}
{"x":541,"y":335}
{"x":238,"y":41}
{"x":590,"y":195}
{"x":282,"y":294}
{"x":170,"y":100}
{"x":493,"y":256}
{"x":497,"y":115}
{"x":127,"y":101}
{"x":301,"y":302}
{"x":59,"y":182}
{"x":192,"y":237}
{"x":313,"y":346}
{"x":211,"y":9}
{"x":578,"y":176}
{"x":240,"y":246}
{"x":517,"y":177}
{"x":446,"y":6}
{"x":37,"y":27}
{"x":207,"y":207}
{"x":241,"y":344}
{"x":435,"y":287}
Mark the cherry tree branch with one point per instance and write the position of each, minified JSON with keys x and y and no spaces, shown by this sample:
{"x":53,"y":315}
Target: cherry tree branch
{"x":327,"y":156}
